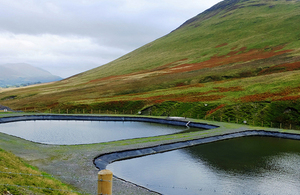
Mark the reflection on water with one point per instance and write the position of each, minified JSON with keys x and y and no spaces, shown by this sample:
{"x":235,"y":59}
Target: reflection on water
{"x":84,"y":132}
{"x":250,"y":154}
{"x":252,"y":165}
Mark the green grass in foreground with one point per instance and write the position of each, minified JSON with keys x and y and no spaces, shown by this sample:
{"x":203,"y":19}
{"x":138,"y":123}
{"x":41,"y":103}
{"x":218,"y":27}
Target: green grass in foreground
{"x":11,"y":181}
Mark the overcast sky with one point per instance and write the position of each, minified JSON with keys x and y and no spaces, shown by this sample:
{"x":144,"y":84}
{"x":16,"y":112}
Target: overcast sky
{"x":66,"y":37}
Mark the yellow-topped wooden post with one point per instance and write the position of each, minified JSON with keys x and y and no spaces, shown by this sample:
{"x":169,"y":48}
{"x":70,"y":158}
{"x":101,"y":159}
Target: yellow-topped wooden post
{"x":105,"y":182}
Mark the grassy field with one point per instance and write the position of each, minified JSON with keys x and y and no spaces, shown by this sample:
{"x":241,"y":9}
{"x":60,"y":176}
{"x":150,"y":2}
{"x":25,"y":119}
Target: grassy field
{"x":234,"y":54}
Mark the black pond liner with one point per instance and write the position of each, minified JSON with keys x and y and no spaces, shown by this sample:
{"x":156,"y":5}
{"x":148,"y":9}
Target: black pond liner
{"x":107,"y":118}
{"x":103,"y":160}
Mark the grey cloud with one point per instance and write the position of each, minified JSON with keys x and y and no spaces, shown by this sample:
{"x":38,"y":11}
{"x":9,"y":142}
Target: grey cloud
{"x":104,"y":21}
{"x":116,"y":27}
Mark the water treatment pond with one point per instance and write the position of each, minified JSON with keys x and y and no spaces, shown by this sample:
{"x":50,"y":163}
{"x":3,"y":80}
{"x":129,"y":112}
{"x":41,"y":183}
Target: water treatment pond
{"x":85,"y":132}
{"x":249,"y":165}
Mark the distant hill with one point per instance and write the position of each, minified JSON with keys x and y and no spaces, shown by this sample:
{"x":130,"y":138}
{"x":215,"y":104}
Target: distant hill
{"x":24,"y":74}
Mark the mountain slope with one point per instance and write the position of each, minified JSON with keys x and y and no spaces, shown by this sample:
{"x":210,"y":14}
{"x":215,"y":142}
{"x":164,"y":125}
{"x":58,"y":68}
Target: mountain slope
{"x":228,"y":29}
{"x":236,"y":52}
{"x":21,"y":73}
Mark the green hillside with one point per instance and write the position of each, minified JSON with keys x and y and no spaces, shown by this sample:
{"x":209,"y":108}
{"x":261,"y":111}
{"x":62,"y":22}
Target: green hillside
{"x":230,"y":32}
{"x":18,"y":177}
{"x":237,"y":53}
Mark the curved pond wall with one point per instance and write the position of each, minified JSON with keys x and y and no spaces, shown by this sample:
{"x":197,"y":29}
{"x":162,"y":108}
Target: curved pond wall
{"x":102,"y":161}
{"x":107,"y":118}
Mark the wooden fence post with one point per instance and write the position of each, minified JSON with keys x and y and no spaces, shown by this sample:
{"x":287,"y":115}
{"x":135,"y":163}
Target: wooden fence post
{"x":105,"y":182}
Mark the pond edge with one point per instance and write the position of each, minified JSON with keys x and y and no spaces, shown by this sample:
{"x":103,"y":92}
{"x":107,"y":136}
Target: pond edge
{"x":167,"y":121}
{"x":104,"y":159}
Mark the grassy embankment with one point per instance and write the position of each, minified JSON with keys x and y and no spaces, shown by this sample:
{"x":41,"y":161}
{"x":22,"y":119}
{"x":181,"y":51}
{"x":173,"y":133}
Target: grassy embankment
{"x":242,"y":59}
{"x":18,"y":177}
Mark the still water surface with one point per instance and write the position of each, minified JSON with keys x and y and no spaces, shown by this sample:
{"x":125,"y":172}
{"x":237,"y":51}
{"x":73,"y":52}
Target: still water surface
{"x":85,"y":132}
{"x":250,"y":165}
